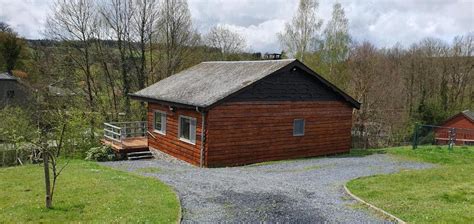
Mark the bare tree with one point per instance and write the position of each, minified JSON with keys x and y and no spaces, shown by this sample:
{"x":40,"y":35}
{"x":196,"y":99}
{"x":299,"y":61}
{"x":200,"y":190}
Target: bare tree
{"x":143,"y":28}
{"x":118,"y":15}
{"x":73,"y":22}
{"x":4,"y":27}
{"x":175,"y":34}
{"x":460,"y":72}
{"x":302,"y":32}
{"x":50,"y":163}
{"x":369,"y":87}
{"x":225,"y":40}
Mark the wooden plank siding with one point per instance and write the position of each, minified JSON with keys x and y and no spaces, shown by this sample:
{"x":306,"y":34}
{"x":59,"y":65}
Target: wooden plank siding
{"x":248,"y":132}
{"x":170,"y":142}
{"x":464,"y":133}
{"x":459,"y":121}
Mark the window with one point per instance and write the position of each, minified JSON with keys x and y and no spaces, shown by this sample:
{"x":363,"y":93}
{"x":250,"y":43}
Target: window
{"x":10,"y":94}
{"x":187,"y":129}
{"x":298,"y":127}
{"x":159,"y":122}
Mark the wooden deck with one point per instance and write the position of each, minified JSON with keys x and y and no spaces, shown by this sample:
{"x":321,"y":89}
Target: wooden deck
{"x":135,"y":144}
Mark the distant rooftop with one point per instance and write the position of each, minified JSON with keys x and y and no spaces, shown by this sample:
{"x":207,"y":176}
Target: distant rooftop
{"x":7,"y":76}
{"x":469,"y":114}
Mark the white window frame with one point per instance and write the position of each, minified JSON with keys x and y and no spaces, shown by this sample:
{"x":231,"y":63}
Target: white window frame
{"x":163,"y":122}
{"x":294,"y":126}
{"x":192,"y":129}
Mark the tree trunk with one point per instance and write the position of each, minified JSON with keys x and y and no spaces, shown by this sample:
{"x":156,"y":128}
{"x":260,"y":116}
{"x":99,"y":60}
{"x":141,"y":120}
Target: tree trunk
{"x":47,"y":180}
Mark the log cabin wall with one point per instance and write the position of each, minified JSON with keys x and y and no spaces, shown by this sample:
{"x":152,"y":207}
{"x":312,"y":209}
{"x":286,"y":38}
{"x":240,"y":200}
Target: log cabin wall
{"x":248,"y":132}
{"x":170,"y":143}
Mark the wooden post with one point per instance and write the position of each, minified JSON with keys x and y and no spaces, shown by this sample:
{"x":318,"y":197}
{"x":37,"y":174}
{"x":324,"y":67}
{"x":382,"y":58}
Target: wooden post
{"x":47,"y":180}
{"x":415,"y":136}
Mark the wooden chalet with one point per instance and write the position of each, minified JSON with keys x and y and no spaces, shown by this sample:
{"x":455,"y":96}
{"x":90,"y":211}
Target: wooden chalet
{"x":227,"y":113}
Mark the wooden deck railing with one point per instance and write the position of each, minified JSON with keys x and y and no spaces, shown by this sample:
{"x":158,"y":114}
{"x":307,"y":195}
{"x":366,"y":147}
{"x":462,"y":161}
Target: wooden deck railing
{"x":117,"y":132}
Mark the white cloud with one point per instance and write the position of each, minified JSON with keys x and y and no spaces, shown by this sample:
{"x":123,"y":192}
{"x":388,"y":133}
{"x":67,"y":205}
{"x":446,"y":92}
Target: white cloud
{"x":389,"y":22}
{"x":27,"y":17}
{"x":261,"y":37}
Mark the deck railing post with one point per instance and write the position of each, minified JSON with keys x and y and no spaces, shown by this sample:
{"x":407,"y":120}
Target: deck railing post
{"x":122,"y":135}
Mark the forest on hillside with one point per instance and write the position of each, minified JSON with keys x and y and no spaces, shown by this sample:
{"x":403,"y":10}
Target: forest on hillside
{"x":97,"y":52}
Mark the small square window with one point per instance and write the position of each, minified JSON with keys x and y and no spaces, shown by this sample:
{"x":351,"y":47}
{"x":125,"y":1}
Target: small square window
{"x":10,"y":94}
{"x":159,"y":122}
{"x":187,"y":129}
{"x":298,"y":127}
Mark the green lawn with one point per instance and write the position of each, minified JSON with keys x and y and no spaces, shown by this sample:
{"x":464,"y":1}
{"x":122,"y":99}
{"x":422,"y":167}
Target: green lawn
{"x":443,"y":194}
{"x":86,"y":192}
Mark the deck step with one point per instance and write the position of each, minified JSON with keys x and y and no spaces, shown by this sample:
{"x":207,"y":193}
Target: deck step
{"x":139,"y":155}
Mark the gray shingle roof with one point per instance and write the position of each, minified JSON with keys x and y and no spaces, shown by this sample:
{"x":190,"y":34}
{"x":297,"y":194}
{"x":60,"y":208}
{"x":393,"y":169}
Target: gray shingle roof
{"x":469,"y":114}
{"x":7,"y":76}
{"x":208,"y":82}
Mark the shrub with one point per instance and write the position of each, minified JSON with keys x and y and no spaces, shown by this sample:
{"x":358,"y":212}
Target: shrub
{"x":101,"y":153}
{"x":16,"y":125}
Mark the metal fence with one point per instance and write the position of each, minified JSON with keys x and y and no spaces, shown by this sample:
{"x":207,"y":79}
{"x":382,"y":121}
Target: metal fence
{"x":438,"y":135}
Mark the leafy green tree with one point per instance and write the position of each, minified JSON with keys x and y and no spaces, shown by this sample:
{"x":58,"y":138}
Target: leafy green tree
{"x":335,"y":46}
{"x":303,"y":30}
{"x":10,"y":47}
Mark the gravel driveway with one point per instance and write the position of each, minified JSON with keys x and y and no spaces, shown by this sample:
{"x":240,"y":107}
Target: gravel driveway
{"x":298,"y":191}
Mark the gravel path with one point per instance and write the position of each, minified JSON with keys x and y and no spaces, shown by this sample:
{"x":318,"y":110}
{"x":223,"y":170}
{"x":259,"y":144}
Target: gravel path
{"x":298,"y":191}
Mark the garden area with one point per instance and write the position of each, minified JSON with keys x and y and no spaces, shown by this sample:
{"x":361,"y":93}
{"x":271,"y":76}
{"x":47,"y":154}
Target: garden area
{"x":85,"y":191}
{"x":442,"y":194}
{"x":88,"y":192}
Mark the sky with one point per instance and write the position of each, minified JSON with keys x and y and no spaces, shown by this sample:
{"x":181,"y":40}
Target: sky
{"x":382,"y":22}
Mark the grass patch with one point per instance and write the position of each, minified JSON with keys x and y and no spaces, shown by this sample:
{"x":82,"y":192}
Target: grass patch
{"x":444,"y":194}
{"x":360,"y":153}
{"x":460,"y":155}
{"x":86,"y":192}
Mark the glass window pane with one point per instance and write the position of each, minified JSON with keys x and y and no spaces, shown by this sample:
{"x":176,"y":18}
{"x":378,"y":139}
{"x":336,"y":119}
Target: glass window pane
{"x":158,"y":121}
{"x":185,"y":128}
{"x":163,"y":122}
{"x":298,"y":127}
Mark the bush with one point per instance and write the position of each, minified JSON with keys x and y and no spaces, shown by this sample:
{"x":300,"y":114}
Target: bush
{"x":77,"y":139}
{"x":101,"y":153}
{"x":16,"y":125}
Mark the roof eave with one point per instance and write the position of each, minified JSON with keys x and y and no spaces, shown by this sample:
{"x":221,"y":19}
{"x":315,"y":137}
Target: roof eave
{"x":135,"y":96}
{"x":455,"y":116}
